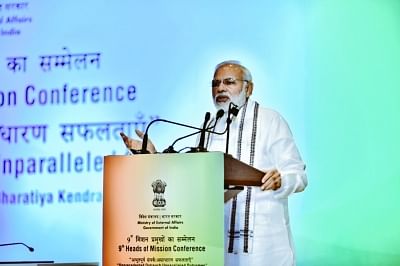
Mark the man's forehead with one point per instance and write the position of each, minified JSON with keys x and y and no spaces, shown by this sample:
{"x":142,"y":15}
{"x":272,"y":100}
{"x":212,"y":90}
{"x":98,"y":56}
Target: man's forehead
{"x":230,"y":69}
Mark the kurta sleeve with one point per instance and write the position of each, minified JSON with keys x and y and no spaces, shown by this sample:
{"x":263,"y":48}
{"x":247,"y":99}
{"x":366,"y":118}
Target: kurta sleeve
{"x":286,"y":159}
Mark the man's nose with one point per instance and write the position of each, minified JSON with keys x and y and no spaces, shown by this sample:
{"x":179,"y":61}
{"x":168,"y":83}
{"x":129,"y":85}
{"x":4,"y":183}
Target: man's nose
{"x":221,"y":87}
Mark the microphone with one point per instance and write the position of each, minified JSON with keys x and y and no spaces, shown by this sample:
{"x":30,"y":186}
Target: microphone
{"x":232,"y":110}
{"x":146,"y":137}
{"x":203,"y":133}
{"x":171,"y":149}
{"x":31,"y":249}
{"x":219,"y":114}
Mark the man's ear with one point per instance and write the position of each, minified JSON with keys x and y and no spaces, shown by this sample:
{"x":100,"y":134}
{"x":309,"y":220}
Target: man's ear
{"x":249,"y":89}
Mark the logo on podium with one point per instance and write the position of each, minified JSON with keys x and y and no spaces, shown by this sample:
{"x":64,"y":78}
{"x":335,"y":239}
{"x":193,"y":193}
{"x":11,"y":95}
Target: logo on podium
{"x":159,"y":189}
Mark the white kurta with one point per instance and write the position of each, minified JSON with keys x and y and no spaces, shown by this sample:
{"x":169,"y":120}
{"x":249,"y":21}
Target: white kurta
{"x":269,"y":240}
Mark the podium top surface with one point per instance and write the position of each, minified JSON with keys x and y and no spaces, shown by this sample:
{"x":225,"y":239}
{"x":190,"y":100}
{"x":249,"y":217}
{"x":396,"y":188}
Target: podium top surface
{"x":236,"y":173}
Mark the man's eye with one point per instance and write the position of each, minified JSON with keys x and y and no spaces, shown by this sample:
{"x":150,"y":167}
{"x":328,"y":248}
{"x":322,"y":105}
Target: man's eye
{"x":229,"y":81}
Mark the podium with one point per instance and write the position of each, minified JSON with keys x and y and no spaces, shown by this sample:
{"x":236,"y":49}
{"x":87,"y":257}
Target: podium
{"x":168,"y":208}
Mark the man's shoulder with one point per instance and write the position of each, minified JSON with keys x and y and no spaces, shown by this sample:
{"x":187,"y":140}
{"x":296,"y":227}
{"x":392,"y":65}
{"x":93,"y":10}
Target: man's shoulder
{"x":268,"y":112}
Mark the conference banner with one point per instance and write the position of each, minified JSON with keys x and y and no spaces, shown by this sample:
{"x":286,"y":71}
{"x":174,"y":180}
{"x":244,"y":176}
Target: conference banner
{"x":163,"y":209}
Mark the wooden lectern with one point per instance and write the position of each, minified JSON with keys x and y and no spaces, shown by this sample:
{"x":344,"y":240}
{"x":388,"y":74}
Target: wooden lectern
{"x":237,"y":173}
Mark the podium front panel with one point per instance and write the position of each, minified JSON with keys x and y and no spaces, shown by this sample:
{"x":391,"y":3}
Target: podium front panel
{"x":163,"y":209}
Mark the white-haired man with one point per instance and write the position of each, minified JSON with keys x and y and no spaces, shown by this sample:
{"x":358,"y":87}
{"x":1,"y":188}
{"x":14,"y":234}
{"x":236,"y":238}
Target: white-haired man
{"x":257,"y":230}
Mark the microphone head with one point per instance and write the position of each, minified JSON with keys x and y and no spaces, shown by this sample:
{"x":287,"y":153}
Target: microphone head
{"x":208,"y":116}
{"x":220,"y":113}
{"x":233,"y":109}
{"x":31,"y":249}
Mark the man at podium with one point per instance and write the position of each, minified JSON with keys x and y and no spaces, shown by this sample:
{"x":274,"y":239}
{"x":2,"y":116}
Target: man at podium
{"x":257,"y":229}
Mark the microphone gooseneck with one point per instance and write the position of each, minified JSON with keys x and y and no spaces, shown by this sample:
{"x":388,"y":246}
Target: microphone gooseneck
{"x":171,"y":149}
{"x":201,"y":147}
{"x":31,"y":249}
{"x":144,"y":142}
{"x":219,"y":114}
{"x":145,"y":136}
{"x":209,"y":130}
{"x":202,"y":130}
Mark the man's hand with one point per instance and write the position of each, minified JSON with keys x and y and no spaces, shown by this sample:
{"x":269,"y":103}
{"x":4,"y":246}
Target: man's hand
{"x":136,"y":145}
{"x":271,"y":180}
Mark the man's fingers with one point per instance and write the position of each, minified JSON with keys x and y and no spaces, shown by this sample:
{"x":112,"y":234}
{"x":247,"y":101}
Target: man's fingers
{"x":269,"y":174}
{"x":271,"y":180}
{"x":136,"y":144}
{"x":268,"y":184}
{"x":139,"y":133}
{"x":266,"y":177}
{"x":273,"y":184}
{"x":124,"y":138}
{"x":130,"y":143}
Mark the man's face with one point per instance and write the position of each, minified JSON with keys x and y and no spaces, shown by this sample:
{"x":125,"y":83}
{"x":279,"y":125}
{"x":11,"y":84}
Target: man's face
{"x":228,"y":86}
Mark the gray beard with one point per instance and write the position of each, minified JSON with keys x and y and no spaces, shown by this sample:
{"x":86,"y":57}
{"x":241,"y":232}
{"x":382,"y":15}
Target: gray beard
{"x":239,"y":100}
